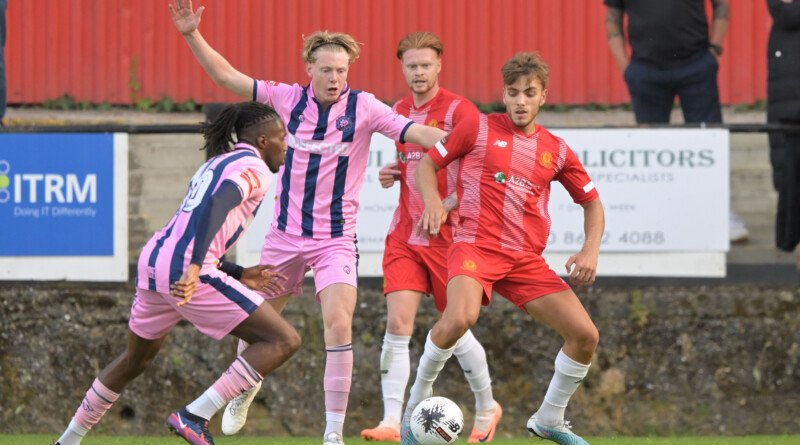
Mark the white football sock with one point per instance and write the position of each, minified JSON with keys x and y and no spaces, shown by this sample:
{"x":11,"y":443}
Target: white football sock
{"x":395,"y":370}
{"x":333,"y":422}
{"x":73,"y":434}
{"x":567,"y":377}
{"x":207,"y":404}
{"x":472,"y":358}
{"x":430,"y":364}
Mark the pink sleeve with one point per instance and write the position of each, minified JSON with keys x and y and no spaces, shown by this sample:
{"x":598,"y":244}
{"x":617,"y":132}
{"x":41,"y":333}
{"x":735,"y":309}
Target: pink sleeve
{"x":272,"y":93}
{"x":251,"y":177}
{"x":385,"y":121}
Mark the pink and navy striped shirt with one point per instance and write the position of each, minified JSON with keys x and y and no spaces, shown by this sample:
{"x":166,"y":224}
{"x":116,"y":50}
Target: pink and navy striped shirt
{"x":328,"y":150}
{"x":165,"y":257}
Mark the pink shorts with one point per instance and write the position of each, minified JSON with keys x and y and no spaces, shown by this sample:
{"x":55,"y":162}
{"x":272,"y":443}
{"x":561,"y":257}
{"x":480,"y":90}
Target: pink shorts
{"x":217,"y":307}
{"x":333,"y":260}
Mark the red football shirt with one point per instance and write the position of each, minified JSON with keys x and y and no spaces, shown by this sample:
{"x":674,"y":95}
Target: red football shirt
{"x":445,"y":111}
{"x":504,"y":185}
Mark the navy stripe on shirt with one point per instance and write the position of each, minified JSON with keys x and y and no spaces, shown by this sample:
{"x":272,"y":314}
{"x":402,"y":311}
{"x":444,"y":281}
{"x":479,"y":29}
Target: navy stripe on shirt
{"x":322,"y":122}
{"x":230,"y":293}
{"x":350,"y":115}
{"x":176,"y":265}
{"x":286,"y":179}
{"x":337,"y":220}
{"x":297,"y":112}
{"x":309,"y":194}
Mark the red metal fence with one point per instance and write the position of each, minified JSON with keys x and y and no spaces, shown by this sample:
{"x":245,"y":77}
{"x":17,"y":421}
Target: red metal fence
{"x":118,"y":51}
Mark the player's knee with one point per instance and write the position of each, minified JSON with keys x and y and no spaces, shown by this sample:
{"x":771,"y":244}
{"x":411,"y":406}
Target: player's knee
{"x":292,"y":341}
{"x":339,"y":328}
{"x":399,"y":326}
{"x":458,"y":324}
{"x":289,"y":341}
{"x":588,"y":339}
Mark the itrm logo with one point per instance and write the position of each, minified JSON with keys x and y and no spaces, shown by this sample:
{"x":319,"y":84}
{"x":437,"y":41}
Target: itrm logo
{"x":48,"y":188}
{"x":5,"y":195}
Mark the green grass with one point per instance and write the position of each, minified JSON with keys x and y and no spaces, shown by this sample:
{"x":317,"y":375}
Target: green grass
{"x":28,"y":439}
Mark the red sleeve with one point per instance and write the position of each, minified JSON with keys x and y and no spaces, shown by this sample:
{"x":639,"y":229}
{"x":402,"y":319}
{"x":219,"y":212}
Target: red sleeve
{"x":576,"y":180}
{"x":456,"y":144}
{"x":466,"y":110}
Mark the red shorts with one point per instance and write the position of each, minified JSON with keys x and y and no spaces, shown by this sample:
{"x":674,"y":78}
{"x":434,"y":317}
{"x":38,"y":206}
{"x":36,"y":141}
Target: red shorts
{"x":518,"y":276}
{"x":417,"y":268}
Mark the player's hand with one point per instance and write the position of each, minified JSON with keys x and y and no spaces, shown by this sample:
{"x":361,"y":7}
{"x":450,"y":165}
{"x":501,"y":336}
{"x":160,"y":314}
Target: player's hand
{"x":388,"y":174}
{"x":582,"y":268}
{"x":187,"y":285}
{"x":261,"y":278}
{"x":432,"y":219}
{"x":185,"y":19}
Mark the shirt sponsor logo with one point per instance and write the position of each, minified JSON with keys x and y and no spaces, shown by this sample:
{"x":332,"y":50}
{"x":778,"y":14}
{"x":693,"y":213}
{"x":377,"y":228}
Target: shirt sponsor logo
{"x":546,"y":159}
{"x":500,"y":143}
{"x":402,"y":157}
{"x":500,"y":178}
{"x":343,"y":123}
{"x":469,"y":265}
{"x":523,"y":182}
{"x":321,"y":147}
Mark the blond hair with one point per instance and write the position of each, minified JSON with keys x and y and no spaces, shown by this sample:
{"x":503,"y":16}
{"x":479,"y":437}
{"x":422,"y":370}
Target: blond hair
{"x":526,"y":64}
{"x":332,"y":41}
{"x":420,"y":40}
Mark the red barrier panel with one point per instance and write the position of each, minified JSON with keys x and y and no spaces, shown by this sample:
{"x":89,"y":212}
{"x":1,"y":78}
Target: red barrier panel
{"x":120,"y":51}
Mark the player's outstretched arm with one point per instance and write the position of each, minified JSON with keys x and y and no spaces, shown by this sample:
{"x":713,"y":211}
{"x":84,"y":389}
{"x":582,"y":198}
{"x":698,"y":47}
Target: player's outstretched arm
{"x":221,"y":71}
{"x":424,"y":135}
{"x":582,"y":267}
{"x":434,"y":214}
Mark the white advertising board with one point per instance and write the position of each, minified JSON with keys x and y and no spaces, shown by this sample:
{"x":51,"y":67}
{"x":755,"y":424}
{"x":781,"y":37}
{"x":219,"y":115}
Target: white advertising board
{"x":665,"y":193}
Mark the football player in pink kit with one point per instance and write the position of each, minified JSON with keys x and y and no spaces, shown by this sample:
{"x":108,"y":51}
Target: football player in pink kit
{"x":415,"y":264}
{"x":329,"y":129}
{"x":178,"y":277}
{"x":507,"y":166}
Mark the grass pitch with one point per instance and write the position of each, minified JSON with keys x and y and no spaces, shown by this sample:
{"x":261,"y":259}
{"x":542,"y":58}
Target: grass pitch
{"x":264,"y":440}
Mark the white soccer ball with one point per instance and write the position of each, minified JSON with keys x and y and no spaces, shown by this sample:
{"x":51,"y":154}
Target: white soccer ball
{"x":436,"y":421}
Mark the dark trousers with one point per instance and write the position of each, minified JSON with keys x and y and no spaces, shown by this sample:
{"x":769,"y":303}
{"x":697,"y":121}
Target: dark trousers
{"x":653,"y":90}
{"x":787,"y":223}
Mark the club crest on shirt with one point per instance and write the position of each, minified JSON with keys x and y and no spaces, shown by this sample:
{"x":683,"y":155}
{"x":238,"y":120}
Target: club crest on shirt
{"x":469,"y":265}
{"x":433,"y":123}
{"x":343,"y":122}
{"x":546,"y":159}
{"x":500,"y":178}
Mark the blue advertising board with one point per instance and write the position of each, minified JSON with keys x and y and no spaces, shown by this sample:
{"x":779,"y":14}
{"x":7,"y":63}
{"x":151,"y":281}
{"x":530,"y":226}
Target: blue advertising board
{"x":57,"y":194}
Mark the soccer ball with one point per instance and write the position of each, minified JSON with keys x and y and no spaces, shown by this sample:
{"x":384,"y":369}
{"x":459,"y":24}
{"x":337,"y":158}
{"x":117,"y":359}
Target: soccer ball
{"x":436,"y":421}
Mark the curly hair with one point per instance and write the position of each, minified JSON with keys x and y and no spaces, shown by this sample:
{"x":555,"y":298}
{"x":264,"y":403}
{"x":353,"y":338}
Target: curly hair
{"x":234,"y":118}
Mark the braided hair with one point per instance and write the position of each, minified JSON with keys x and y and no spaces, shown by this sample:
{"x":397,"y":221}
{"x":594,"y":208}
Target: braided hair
{"x":234,"y":118}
